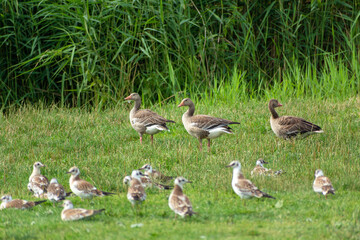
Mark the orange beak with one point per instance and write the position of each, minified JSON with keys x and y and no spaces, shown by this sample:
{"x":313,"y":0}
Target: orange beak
{"x":128,"y":98}
{"x":181,"y":104}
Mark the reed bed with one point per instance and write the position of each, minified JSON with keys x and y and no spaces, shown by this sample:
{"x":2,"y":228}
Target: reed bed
{"x":92,"y":53}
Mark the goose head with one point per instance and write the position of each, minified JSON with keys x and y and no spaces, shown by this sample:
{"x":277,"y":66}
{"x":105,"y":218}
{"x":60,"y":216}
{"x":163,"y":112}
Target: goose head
{"x":274,"y":103}
{"x":133,"y":97}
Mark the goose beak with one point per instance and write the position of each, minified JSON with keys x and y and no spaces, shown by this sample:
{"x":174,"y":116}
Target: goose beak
{"x":266,"y":162}
{"x":181,"y":104}
{"x":228,"y":166}
{"x":128,"y":98}
{"x":189,"y":181}
{"x":280,"y":105}
{"x":68,"y":172}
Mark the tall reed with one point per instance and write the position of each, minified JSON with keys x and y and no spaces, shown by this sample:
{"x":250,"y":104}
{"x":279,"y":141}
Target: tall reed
{"x":93,"y":53}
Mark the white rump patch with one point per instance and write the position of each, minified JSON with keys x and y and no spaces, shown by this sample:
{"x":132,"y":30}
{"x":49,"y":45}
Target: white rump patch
{"x":217,"y":132}
{"x":154,"y":129}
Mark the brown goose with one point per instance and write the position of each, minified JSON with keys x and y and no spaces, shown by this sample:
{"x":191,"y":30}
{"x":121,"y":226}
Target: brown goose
{"x":145,"y":121}
{"x":203,"y":126}
{"x":288,"y":126}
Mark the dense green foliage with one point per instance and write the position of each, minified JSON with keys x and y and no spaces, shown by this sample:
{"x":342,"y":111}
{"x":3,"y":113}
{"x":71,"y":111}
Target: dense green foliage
{"x":77,"y":53}
{"x":105,"y":148}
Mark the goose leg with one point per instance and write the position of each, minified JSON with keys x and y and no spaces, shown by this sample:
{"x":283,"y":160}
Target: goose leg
{"x":208,"y":144}
{"x":200,"y":142}
{"x":152,"y":139}
{"x":140,"y":139}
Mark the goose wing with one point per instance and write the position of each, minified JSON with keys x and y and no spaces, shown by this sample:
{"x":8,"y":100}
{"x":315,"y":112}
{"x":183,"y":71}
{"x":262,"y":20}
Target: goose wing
{"x":207,"y":122}
{"x":149,"y":118}
{"x":295,"y":125}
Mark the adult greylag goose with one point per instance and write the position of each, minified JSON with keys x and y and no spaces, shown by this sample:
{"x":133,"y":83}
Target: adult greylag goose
{"x":322,"y":184}
{"x":203,"y":126}
{"x":145,"y":121}
{"x":242,"y":186}
{"x":289,"y":126}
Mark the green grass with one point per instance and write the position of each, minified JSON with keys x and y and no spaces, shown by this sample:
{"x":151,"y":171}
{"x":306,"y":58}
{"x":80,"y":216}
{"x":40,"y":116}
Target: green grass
{"x":105,"y":148}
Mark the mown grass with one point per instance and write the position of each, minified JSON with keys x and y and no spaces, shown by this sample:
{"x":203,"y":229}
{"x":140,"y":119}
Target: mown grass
{"x":105,"y":148}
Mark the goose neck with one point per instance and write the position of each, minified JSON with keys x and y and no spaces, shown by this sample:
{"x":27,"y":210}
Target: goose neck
{"x":191,"y":110}
{"x":274,"y":114}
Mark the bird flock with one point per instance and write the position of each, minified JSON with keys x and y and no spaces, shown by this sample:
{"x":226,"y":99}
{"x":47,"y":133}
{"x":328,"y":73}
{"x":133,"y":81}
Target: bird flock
{"x":145,"y":121}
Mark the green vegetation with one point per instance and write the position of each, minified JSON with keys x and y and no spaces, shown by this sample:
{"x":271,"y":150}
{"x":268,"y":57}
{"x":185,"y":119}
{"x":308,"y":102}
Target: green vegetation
{"x":93,"y":53}
{"x":105,"y":148}
{"x":230,"y":57}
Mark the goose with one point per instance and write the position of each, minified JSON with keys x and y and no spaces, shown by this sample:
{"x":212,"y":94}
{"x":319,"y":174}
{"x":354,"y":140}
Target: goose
{"x":242,"y":186}
{"x":322,"y":184}
{"x":145,"y":121}
{"x":38,"y":183}
{"x":178,"y":201}
{"x":203,"y":126}
{"x":82,"y":188}
{"x":69,"y":213}
{"x":288,"y":126}
{"x":8,"y":202}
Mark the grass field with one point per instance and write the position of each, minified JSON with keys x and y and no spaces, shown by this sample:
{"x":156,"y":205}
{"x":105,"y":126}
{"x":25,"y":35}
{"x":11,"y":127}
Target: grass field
{"x":105,"y":148}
